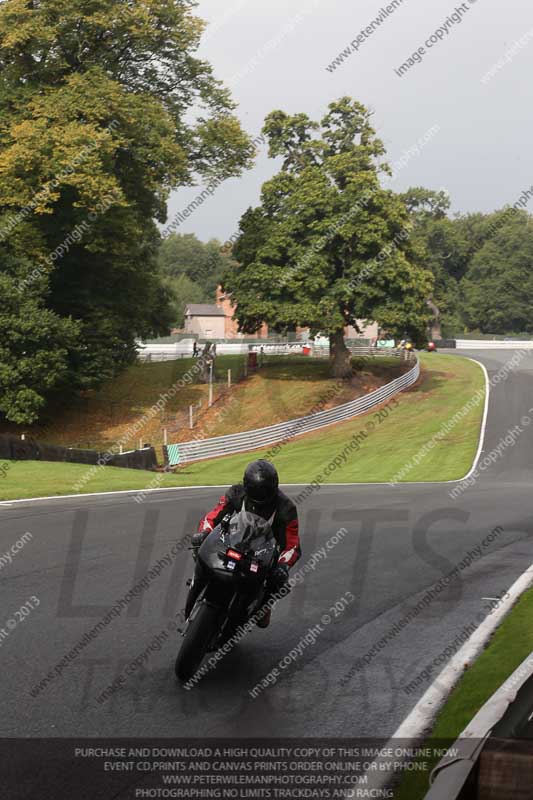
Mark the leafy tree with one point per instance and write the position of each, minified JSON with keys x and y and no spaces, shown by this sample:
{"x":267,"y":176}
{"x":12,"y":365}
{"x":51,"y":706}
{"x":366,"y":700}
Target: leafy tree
{"x":192,"y":270}
{"x":474,"y":229}
{"x":254,"y":227}
{"x":96,"y":128}
{"x":201,"y":262}
{"x":450,"y":247}
{"x":426,"y":203}
{"x":328,"y":244}
{"x":444,"y":249}
{"x":184,"y":291}
{"x":35,"y":343}
{"x":498,"y":286}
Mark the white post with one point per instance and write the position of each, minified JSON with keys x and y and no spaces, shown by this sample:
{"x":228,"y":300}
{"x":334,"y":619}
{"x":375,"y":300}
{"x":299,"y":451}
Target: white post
{"x":210,"y":384}
{"x":191,"y":417}
{"x":165,"y":437}
{"x":140,"y":444}
{"x":121,"y":449}
{"x":229,"y":379}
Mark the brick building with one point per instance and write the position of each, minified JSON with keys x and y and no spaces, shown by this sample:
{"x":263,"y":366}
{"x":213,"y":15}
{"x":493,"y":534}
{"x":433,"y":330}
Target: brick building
{"x":231,"y":326}
{"x":217,"y":321}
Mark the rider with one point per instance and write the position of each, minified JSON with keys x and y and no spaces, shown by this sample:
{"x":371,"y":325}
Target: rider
{"x":260,"y":490}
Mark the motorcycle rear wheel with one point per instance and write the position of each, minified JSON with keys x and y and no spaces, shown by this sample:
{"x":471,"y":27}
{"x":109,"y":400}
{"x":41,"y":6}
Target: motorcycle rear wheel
{"x":198,"y":636}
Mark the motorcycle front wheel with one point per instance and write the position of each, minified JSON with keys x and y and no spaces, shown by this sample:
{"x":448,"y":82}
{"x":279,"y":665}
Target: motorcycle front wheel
{"x":198,"y":636}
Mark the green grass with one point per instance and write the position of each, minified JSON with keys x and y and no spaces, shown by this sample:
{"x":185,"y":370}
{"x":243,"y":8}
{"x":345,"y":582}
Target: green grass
{"x":46,"y":479}
{"x":511,"y":644}
{"x":447,"y":384}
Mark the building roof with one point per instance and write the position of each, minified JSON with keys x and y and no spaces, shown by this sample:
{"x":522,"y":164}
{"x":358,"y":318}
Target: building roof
{"x":203,"y":310}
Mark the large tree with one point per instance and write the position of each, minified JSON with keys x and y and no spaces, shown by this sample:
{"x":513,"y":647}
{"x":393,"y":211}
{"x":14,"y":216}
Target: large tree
{"x":328,"y":245}
{"x":104,"y":109}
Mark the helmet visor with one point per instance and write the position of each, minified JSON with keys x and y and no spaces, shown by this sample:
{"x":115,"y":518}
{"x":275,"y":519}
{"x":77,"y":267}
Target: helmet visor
{"x":261,"y":495}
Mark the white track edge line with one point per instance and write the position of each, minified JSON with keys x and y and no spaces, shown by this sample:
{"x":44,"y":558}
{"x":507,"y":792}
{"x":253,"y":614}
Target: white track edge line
{"x":432,"y":700}
{"x":483,"y":421}
{"x":417,"y":723}
{"x":333,"y":485}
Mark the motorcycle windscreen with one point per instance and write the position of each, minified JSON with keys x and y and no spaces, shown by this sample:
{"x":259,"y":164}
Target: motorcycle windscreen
{"x":248,"y":531}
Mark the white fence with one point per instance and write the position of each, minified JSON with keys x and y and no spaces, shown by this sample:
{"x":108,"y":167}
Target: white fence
{"x":197,"y":450}
{"x":162,"y":356}
{"x":184,"y":349}
{"x":165,"y":352}
{"x":493,"y":344}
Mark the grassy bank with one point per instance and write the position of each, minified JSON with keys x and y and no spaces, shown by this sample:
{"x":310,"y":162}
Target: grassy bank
{"x":285,"y":387}
{"x":386,"y":444}
{"x":389,"y":444}
{"x":289,"y":387}
{"x":96,"y":419}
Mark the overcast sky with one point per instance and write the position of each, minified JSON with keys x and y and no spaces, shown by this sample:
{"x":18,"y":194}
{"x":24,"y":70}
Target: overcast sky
{"x":274,"y":54}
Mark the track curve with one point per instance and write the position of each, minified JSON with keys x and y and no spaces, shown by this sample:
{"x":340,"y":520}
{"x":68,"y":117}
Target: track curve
{"x":88,"y":552}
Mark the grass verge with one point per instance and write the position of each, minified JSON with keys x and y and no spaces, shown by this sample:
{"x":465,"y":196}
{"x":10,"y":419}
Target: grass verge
{"x":386,"y":443}
{"x":511,"y":644}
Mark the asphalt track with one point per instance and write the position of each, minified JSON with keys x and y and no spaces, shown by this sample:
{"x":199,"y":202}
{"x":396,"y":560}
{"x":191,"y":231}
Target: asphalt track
{"x":88,"y":552}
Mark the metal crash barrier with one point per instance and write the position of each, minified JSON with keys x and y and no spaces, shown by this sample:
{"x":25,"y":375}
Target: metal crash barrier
{"x":197,"y":450}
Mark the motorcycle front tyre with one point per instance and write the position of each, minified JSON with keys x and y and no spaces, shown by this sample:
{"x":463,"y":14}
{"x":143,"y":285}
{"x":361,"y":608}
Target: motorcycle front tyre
{"x":198,"y":636}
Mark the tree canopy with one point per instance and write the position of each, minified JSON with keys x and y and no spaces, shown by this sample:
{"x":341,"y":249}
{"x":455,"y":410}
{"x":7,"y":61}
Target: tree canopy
{"x":104,"y":109}
{"x":328,"y":245}
{"x":467,"y":295}
{"x":35,"y":343}
{"x":497,"y":290}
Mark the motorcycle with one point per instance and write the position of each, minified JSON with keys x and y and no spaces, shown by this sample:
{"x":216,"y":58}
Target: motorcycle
{"x":229,"y":586}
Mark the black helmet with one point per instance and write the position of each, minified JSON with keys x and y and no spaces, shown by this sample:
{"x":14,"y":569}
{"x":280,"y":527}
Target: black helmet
{"x":261,"y":482}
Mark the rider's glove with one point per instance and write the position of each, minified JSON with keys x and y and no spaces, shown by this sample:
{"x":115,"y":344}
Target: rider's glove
{"x":197,"y":540}
{"x":224,"y":522}
{"x":280,"y":575}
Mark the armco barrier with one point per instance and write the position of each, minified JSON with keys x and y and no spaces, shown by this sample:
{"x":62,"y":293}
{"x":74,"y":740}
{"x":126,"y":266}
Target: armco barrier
{"x":502,"y":719}
{"x":197,"y":450}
